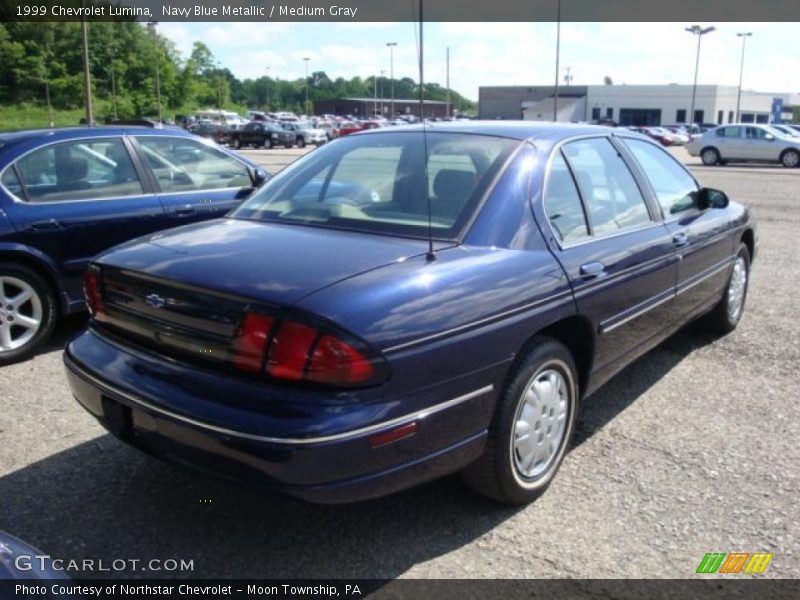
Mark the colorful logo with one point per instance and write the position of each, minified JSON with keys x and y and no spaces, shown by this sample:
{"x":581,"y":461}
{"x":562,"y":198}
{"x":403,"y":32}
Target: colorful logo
{"x":735,"y":562}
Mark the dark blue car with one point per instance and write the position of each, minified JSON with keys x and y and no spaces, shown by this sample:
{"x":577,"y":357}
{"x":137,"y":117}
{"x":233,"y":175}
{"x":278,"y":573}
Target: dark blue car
{"x":68,"y":194}
{"x":400,"y":305}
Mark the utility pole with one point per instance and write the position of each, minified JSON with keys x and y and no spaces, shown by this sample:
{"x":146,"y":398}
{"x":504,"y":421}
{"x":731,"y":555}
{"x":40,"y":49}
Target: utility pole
{"x":152,"y":26}
{"x":267,"y":84}
{"x":558,"y":57}
{"x":391,"y":74}
{"x":374,"y":96}
{"x":568,"y":78}
{"x":113,"y":84}
{"x":447,"y":105}
{"x":744,"y":37}
{"x":305,"y":107}
{"x":87,"y":78}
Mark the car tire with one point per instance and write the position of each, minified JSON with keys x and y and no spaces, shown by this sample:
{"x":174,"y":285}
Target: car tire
{"x":542,"y":387}
{"x":236,"y":143}
{"x":727,"y":313}
{"x":790,"y":159}
{"x":301,"y":143}
{"x":270,"y":144}
{"x":710,"y":156}
{"x":287,"y":145}
{"x":27,"y":324}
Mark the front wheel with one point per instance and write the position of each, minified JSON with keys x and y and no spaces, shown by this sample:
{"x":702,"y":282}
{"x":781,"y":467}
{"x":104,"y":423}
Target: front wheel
{"x":790,"y":159}
{"x":532,"y":427}
{"x":710,"y":157}
{"x":237,"y":143}
{"x":301,"y":142}
{"x":725,"y":316}
{"x":27,"y":312}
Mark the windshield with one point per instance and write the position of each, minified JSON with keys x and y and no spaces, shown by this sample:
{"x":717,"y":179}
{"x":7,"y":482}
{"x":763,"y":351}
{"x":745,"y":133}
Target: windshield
{"x":380,"y":183}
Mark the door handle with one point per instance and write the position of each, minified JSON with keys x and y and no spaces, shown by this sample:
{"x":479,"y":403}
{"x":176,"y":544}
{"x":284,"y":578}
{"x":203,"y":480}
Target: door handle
{"x":184,"y":211}
{"x":592,"y":270}
{"x":680,"y":239}
{"x":49,"y":225}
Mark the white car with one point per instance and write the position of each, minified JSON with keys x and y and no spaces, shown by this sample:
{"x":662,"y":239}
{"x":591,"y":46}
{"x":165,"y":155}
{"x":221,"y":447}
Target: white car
{"x":743,"y":143}
{"x":306,"y":133}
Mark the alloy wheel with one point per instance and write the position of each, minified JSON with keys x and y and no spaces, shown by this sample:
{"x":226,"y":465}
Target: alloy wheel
{"x":21,"y":313}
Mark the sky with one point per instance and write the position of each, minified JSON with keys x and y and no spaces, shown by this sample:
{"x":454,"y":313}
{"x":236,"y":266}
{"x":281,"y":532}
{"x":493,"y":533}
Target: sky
{"x":505,"y":53}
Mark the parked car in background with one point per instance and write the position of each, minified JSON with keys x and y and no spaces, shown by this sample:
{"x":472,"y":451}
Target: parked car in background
{"x":348,"y":127}
{"x":305,"y":133}
{"x":211,"y":130}
{"x":785,"y":130}
{"x":262,"y":134}
{"x":746,"y":143}
{"x":407,"y":303}
{"x":68,"y":194}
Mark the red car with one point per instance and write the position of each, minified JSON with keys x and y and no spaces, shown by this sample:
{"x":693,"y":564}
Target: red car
{"x":349,"y":127}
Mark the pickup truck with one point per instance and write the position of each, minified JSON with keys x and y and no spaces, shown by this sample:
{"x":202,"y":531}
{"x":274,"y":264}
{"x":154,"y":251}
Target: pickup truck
{"x":261,"y":134}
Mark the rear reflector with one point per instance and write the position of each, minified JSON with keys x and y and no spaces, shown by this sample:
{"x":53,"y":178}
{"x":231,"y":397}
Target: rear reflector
{"x":393,"y":435}
{"x":250,"y":344}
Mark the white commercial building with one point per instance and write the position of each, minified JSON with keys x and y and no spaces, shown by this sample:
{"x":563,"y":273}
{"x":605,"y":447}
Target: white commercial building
{"x":633,"y":104}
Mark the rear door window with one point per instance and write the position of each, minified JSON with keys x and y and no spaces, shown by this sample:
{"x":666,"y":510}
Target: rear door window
{"x":79,"y":170}
{"x":612,"y":198}
{"x":563,"y":203}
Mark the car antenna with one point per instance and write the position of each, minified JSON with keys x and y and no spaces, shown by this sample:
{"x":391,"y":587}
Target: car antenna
{"x":430,"y":256}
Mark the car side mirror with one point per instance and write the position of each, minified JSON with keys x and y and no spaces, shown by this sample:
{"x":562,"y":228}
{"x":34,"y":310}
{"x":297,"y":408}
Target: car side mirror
{"x":258,"y":176}
{"x":711,"y":198}
{"x":769,"y":137}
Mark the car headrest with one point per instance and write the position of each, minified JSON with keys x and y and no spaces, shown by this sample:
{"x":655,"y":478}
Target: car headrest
{"x":71,"y":169}
{"x":452,"y":183}
{"x":117,"y":153}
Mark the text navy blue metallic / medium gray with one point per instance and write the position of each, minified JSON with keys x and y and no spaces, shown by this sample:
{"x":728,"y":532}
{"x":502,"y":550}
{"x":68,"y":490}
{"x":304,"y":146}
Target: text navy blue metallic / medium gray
{"x":310,"y":341}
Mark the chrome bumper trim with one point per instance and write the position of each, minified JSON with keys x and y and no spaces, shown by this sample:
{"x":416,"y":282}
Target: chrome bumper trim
{"x":80,"y":372}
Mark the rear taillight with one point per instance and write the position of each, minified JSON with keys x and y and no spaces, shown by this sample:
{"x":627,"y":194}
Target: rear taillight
{"x":303,"y":351}
{"x":250,"y":344}
{"x":91,"y":293}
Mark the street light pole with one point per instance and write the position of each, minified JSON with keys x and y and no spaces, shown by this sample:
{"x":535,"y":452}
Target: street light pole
{"x":391,"y":73}
{"x":152,"y":26}
{"x":447,"y":104}
{"x":305,"y":107}
{"x":699,"y":32}
{"x":558,"y":57}
{"x":383,"y":76}
{"x":266,"y":83}
{"x":744,"y":37}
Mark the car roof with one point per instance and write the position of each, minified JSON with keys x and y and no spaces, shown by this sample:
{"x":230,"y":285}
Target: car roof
{"x":550,"y":133}
{"x":9,"y":138}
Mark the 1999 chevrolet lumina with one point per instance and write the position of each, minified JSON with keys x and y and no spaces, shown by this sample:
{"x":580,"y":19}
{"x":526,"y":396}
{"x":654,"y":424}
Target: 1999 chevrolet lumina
{"x":312,"y":342}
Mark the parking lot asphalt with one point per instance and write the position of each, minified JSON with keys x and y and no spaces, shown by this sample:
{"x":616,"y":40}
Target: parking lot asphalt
{"x":692,"y":449}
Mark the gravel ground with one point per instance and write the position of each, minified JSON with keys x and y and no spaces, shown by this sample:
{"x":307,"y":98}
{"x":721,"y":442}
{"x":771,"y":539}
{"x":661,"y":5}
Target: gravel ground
{"x":692,"y":449}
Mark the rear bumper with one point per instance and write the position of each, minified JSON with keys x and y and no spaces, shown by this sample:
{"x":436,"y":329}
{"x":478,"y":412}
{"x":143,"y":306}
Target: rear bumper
{"x":339,"y":466}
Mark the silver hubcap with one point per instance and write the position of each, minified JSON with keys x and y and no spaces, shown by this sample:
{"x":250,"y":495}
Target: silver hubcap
{"x":736,"y":288}
{"x":20,"y":313}
{"x":709,"y":157}
{"x":790,"y":159}
{"x":540,"y":423}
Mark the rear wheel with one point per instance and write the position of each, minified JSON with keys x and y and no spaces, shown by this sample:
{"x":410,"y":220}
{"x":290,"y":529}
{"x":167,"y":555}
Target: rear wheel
{"x":790,"y":159}
{"x":532,"y":426}
{"x":27,"y":312}
{"x":237,"y":143}
{"x":709,"y":156}
{"x":725,"y":316}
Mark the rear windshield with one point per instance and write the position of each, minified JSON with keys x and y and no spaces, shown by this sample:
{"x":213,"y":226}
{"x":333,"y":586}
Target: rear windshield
{"x":380,"y":183}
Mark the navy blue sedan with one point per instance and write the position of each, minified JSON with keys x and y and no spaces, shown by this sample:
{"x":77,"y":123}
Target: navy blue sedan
{"x":68,"y":194}
{"x":400,"y":305}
